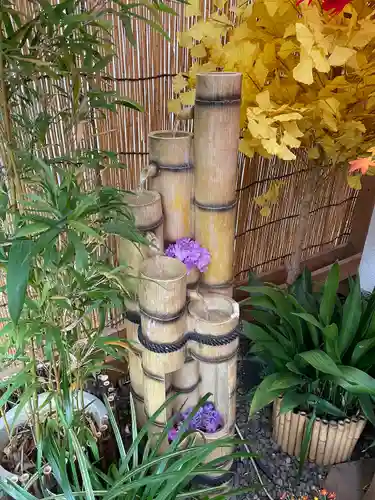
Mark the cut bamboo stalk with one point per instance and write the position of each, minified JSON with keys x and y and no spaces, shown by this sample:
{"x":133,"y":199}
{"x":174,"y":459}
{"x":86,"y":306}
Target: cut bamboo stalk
{"x":314,"y":440}
{"x":139,"y":404}
{"x":361,"y":424}
{"x":344,"y":439}
{"x":275,"y":418}
{"x":171,"y":154}
{"x":185,"y":383}
{"x":293,"y":433}
{"x":330,"y":446}
{"x":147,"y":210}
{"x":338,"y":439}
{"x":162,"y":289}
{"x":302,"y":419}
{"x":286,"y":433}
{"x":218,"y":101}
{"x":216,"y":316}
{"x":322,"y":441}
{"x":280,"y":429}
{"x":351,"y":438}
{"x":215,"y":231}
{"x":162,"y":299}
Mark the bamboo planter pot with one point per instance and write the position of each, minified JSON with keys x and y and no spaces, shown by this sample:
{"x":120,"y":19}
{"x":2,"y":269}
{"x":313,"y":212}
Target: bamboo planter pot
{"x":332,"y":442}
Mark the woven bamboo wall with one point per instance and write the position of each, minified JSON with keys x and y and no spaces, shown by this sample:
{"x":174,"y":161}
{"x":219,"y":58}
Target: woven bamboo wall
{"x":262,"y":244}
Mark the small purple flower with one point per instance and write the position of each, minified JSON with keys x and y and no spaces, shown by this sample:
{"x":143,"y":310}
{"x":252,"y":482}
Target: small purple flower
{"x":208,"y":406}
{"x":172,"y":434}
{"x":212,"y":421}
{"x":190,"y":253}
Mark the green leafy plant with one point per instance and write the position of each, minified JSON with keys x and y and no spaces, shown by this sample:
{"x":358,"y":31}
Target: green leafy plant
{"x":57,"y":218}
{"x":147,"y":469}
{"x":321,"y":347}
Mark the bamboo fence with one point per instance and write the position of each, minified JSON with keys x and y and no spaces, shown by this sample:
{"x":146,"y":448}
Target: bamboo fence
{"x":145,"y":75}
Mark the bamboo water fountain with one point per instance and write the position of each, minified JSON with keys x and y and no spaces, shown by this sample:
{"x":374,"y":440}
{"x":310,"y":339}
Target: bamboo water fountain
{"x":187,"y":342}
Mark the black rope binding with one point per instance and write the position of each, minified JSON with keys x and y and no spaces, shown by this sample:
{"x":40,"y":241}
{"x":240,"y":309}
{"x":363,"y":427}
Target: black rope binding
{"x":211,"y":340}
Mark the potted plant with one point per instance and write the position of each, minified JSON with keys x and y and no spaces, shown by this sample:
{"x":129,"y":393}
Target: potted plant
{"x":306,"y":84}
{"x":320,"y":353}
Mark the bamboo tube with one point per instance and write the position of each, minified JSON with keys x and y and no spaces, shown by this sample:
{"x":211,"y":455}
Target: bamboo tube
{"x":351,"y":435}
{"x":162,"y":289}
{"x":286,"y":433}
{"x":280,"y":429}
{"x":332,"y":431}
{"x":185,"y":382}
{"x":193,"y":278}
{"x":337,"y":444}
{"x":322,"y":442}
{"x":293,"y":433}
{"x":343,"y":441}
{"x":139,"y":404}
{"x":361,"y":424}
{"x":216,"y":316}
{"x":314,"y":440}
{"x":302,"y":419}
{"x":216,"y":138}
{"x":147,"y":210}
{"x":215,"y":231}
{"x":275,"y":418}
{"x":162,"y":298}
{"x":171,"y":154}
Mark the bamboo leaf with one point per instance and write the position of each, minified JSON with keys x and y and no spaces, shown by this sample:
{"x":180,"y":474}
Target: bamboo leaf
{"x":18,"y":276}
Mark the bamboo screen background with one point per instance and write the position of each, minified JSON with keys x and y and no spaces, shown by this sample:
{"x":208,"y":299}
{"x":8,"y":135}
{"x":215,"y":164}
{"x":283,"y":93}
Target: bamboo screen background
{"x":145,"y":75}
{"x":262,"y":244}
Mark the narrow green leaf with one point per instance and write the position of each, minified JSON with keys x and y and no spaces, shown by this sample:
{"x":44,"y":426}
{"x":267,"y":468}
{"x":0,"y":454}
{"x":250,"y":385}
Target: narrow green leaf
{"x":263,"y":395}
{"x":31,"y":229}
{"x":367,"y":406}
{"x":306,"y":442}
{"x":82,"y":256}
{"x":328,"y":300}
{"x":351,"y":318}
{"x":321,"y":362}
{"x":356,"y":381}
{"x":83,"y":466}
{"x":80,"y":227}
{"x":18,"y":276}
{"x":309,"y":318}
{"x":361,"y":349}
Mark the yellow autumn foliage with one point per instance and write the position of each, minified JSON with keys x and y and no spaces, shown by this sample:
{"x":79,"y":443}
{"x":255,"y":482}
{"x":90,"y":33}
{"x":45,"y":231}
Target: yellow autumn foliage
{"x":308,"y":76}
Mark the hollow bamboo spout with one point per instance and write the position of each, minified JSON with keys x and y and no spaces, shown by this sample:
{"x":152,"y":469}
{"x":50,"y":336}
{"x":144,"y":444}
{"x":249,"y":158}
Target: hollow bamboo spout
{"x":216,"y":139}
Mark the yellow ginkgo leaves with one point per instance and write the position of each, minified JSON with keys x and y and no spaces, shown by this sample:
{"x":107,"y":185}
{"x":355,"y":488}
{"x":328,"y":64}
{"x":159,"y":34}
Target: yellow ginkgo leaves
{"x":308,"y":76}
{"x":272,"y":128}
{"x":269,"y":198}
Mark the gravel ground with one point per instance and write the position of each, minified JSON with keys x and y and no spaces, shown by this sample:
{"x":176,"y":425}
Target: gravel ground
{"x":278,"y":470}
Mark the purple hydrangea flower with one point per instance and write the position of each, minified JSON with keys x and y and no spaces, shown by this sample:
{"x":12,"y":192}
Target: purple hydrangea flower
{"x":212,"y":421}
{"x":208,"y":406}
{"x":190,"y":253}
